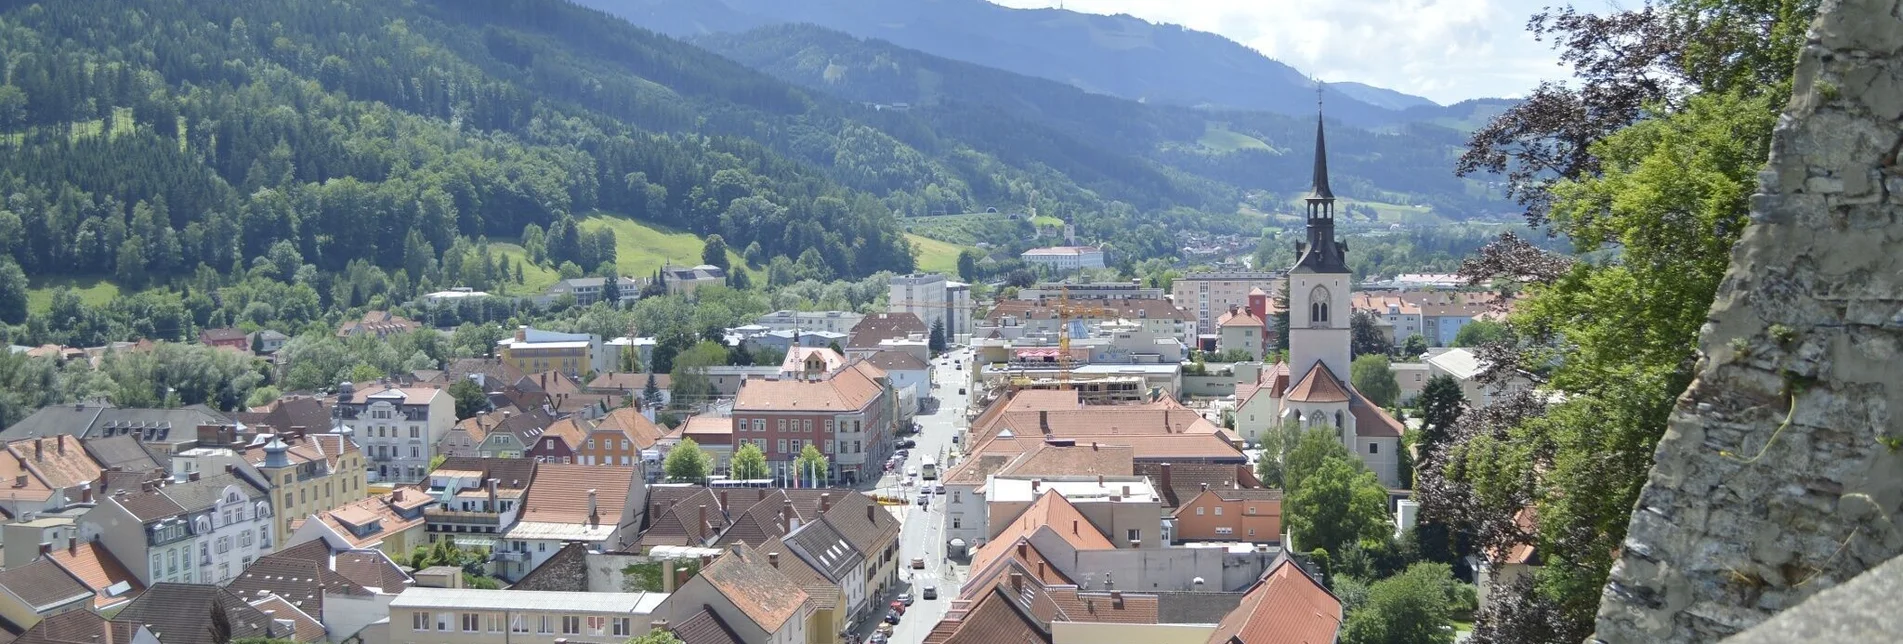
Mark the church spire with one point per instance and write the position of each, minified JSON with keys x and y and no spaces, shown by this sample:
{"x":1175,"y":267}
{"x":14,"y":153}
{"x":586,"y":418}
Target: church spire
{"x":1321,"y":253}
{"x":1319,"y":190}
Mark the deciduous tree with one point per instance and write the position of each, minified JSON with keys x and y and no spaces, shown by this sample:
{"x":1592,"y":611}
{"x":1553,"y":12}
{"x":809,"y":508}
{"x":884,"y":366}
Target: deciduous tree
{"x":687,"y":463}
{"x":749,"y":463}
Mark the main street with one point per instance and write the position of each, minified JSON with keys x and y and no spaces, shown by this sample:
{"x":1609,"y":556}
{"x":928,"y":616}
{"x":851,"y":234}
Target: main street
{"x":923,"y":531}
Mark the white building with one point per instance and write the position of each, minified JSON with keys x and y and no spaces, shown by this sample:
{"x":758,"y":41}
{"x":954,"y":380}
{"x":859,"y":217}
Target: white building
{"x":1065,"y":258}
{"x":472,"y":616}
{"x":398,"y":428}
{"x":829,"y":321}
{"x":452,"y":295}
{"x":1464,"y":366}
{"x":1210,"y":295}
{"x":201,"y":531}
{"x":934,"y":299}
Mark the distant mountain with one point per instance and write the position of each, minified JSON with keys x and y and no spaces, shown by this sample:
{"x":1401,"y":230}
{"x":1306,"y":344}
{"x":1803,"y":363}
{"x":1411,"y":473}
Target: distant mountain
{"x":1116,"y":55}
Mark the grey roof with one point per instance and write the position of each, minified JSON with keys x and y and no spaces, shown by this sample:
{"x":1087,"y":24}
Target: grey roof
{"x":204,"y":493}
{"x":181,"y":613}
{"x":123,"y":452}
{"x":891,"y":360}
{"x":98,"y":419}
{"x":43,"y":585}
{"x":1319,"y":187}
{"x":1178,"y":607}
{"x":823,"y":547}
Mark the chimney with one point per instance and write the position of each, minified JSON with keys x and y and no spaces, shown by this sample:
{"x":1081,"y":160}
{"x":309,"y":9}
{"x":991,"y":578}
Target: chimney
{"x":1034,"y":486}
{"x":1017,"y":581}
{"x":870,"y":508}
{"x":397,"y":495}
{"x":72,"y":544}
{"x":703,"y":518}
{"x":491,"y":484}
{"x":1126,"y":490}
{"x":193,"y":476}
{"x":773,"y":559}
{"x":46,"y":547}
{"x":62,"y":444}
{"x":1166,"y":477}
{"x":19,"y":481}
{"x":39,"y":450}
{"x":723,"y":499}
{"x":1022,"y":547}
{"x":1040,"y":569}
{"x":86,"y":494}
{"x":1073,"y":527}
{"x":593,"y":511}
{"x":825,"y":502}
{"x":1099,"y":480}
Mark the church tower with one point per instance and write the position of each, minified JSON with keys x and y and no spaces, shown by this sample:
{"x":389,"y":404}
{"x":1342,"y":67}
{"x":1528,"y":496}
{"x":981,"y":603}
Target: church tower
{"x":1318,"y":284}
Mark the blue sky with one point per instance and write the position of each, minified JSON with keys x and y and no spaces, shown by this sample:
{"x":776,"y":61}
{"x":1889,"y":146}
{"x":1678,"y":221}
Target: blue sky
{"x":1445,"y":50}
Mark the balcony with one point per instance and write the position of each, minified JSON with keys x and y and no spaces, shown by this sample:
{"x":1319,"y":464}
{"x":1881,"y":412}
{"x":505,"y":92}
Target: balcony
{"x":438,"y":515}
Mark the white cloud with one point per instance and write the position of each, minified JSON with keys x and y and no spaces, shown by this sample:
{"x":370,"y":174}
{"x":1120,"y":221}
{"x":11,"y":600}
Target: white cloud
{"x":1445,"y":50}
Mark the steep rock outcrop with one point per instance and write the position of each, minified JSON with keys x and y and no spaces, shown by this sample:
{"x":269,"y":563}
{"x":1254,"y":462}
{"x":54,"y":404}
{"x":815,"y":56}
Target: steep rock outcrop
{"x":1781,"y":473}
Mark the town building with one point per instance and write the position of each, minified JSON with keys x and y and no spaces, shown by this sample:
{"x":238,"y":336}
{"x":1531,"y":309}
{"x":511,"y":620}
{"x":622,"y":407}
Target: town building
{"x":829,"y":321}
{"x":684,"y":281}
{"x":1010,"y":319}
{"x":334,"y":591}
{"x":935,"y":299}
{"x":229,"y":338}
{"x":85,"y":626}
{"x":810,"y":363}
{"x":392,"y":523}
{"x":1124,"y":508}
{"x":202,"y":530}
{"x":1465,"y":367}
{"x":641,"y":347}
{"x":1229,"y":514}
{"x":848,"y":416}
{"x":1131,"y":290}
{"x":1065,"y":258}
{"x":1443,"y":313}
{"x":576,"y":354}
{"x":38,"y":590}
{"x":1240,"y":330}
{"x":161,"y":431}
{"x":180,"y":613}
{"x":1286,"y":605}
{"x":910,"y":377}
{"x":877,"y":328}
{"x":1208,"y":295}
{"x":305,"y":473}
{"x":475,"y":500}
{"x":377,"y":324}
{"x":714,"y":435}
{"x":745,"y":594}
{"x":472,"y":616}
{"x":1397,"y":318}
{"x":1311,"y":387}
{"x":397,"y":427}
{"x":589,"y":290}
{"x":46,"y":474}
{"x":267,"y":341}
{"x":451,"y":296}
{"x":598,"y":506}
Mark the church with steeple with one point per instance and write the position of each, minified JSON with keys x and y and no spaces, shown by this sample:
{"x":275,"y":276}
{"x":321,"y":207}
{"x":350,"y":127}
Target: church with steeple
{"x":1311,"y":388}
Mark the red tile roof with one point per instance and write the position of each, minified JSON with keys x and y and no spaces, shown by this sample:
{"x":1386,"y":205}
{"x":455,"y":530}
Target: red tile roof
{"x":1240,"y":318}
{"x":95,"y":567}
{"x":1053,"y":510}
{"x":560,"y":493}
{"x":1374,"y":422}
{"x":1319,"y":385}
{"x":759,"y":590}
{"x":846,"y":390}
{"x":1286,"y":606}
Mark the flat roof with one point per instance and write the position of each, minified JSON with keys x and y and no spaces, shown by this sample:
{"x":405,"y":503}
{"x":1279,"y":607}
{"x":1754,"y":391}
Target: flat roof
{"x":530,"y":530}
{"x":1080,"y":490}
{"x":529,"y":600}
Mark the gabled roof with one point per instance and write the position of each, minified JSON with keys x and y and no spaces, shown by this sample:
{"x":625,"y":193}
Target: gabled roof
{"x":764,"y":595}
{"x":43,"y":585}
{"x":846,"y":390}
{"x":993,"y":618}
{"x":823,"y":592}
{"x":1285,"y":606}
{"x":1186,"y":480}
{"x":623,"y":381}
{"x":878,"y":327}
{"x":868,"y":526}
{"x":1371,"y":421}
{"x":79,"y":627}
{"x":383,"y":510}
{"x":890,"y":360}
{"x":1053,"y":510}
{"x":704,"y":627}
{"x":509,"y":472}
{"x":1319,"y":385}
{"x":305,"y":628}
{"x":181,"y":613}
{"x":822,"y":546}
{"x":1240,"y":318}
{"x":560,"y":494}
{"x":798,"y":356}
{"x":123,"y":452}
{"x":1104,"y":607}
{"x":303,"y":582}
{"x":97,"y":569}
{"x":629,"y":423}
{"x":673,"y":517}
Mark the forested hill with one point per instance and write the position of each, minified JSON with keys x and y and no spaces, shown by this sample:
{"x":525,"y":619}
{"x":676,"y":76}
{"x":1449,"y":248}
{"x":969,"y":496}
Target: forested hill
{"x":1250,"y":150}
{"x":144,"y":138}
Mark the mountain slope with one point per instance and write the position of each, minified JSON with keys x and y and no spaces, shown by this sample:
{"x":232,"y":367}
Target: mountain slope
{"x":1115,"y":55}
{"x":1251,"y":150}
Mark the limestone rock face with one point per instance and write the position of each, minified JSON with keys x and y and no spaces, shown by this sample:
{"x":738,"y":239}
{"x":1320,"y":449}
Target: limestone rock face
{"x":1781,"y":473}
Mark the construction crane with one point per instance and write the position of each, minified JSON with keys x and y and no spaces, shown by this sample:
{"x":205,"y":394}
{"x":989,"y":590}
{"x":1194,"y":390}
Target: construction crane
{"x":1065,"y":311}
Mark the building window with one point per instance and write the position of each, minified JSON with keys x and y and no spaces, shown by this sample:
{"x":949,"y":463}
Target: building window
{"x":623,"y":627}
{"x":471,"y":622}
{"x":1199,"y":511}
{"x":780,"y":424}
{"x":1374,"y":448}
{"x":419,"y":621}
{"x":516,"y":625}
{"x":571,"y":625}
{"x":1251,"y":510}
{"x":957,"y":523}
{"x":1218,"y":510}
{"x":546,"y":625}
{"x":782,"y":446}
{"x":1225,"y":530}
{"x":158,"y":563}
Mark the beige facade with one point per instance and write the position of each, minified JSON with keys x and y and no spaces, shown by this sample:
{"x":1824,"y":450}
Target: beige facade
{"x":1209,"y":295}
{"x":470,"y":616}
{"x":1247,"y":515}
{"x":1066,"y":632}
{"x":321,"y":472}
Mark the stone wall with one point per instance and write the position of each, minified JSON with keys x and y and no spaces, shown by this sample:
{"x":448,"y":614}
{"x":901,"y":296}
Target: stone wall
{"x":1781,"y":472}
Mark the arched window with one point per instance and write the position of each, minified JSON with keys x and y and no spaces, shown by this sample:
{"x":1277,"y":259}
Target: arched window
{"x":1318,"y":306}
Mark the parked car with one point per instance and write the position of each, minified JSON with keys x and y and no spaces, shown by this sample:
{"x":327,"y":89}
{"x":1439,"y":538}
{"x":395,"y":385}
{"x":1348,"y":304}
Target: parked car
{"x":938,"y":488}
{"x":918,"y":563}
{"x":931,"y":591}
{"x":877,"y":638}
{"x":925,"y":500}
{"x":897,"y":607}
{"x":905,"y":598}
{"x":911,"y":472}
{"x":891,"y":617}
{"x":908,"y":443}
{"x":961,"y":391}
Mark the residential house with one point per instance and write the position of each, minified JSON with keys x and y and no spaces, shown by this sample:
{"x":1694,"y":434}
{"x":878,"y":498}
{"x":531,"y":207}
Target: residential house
{"x":1124,"y":508}
{"x":85,"y":627}
{"x":819,"y":546}
{"x":559,"y":443}
{"x":714,"y":435}
{"x":534,"y":351}
{"x":307,"y":473}
{"x":1065,"y":258}
{"x":398,"y":427}
{"x":390,"y":522}
{"x":109,"y":581}
{"x":1240,"y":330}
{"x":563,"y":395}
{"x":1465,"y":366}
{"x":619,"y":438}
{"x":810,"y":363}
{"x":746,"y":593}
{"x":40,"y":590}
{"x":377,"y":324}
{"x":179,"y":613}
{"x":1285,"y":605}
{"x":1177,"y":483}
{"x":202,"y":530}
{"x":1503,"y":566}
{"x":1412,"y":377}
{"x":503,"y":433}
{"x":1211,"y":294}
{"x":162,"y":431}
{"x":476,"y":499}
{"x":879,"y":327}
{"x":267,"y":341}
{"x":1443,"y":313}
{"x":596,"y":505}
{"x":911,"y":379}
{"x":46,"y":474}
{"x":229,"y":338}
{"x":629,"y":389}
{"x":848,"y":416}
{"x":1397,"y":318}
{"x":339,"y":590}
{"x":831,"y":607}
{"x":969,"y":515}
{"x":832,"y":321}
{"x":472,"y":616}
{"x":1229,"y":514}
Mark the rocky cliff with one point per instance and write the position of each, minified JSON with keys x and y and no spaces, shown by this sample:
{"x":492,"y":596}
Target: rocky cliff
{"x":1781,"y":474}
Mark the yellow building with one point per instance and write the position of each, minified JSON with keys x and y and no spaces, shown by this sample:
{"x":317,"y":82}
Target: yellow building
{"x":308,"y":473}
{"x":576,"y":354}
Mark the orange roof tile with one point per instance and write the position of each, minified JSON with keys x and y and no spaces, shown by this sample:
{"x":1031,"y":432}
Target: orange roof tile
{"x":95,"y":567}
{"x":559,"y":493}
{"x":846,"y":390}
{"x":628,"y":422}
{"x":765,"y":595}
{"x":1050,"y":509}
{"x":1240,"y":318}
{"x":1319,"y":385}
{"x":1286,"y":606}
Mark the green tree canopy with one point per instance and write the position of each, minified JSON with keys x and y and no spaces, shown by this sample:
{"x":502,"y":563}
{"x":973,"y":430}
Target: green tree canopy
{"x":811,"y":466}
{"x":1339,"y":503}
{"x":1413,"y":347}
{"x":749,"y":463}
{"x":687,"y":463}
{"x":1413,"y":607}
{"x":1479,"y":333}
{"x":1365,"y":336}
{"x":714,"y":252}
{"x":470,"y":398}
{"x":1441,"y":403}
{"x":656,"y":636}
{"x":937,"y":342}
{"x":1373,"y":376}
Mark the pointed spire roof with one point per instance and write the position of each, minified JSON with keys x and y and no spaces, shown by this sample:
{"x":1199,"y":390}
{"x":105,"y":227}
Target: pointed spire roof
{"x":1320,"y":188}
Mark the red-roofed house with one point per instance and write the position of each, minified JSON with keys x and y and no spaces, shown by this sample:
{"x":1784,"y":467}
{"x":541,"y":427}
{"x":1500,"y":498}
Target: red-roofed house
{"x":1241,"y":330}
{"x":848,"y":415}
{"x":1286,"y":606}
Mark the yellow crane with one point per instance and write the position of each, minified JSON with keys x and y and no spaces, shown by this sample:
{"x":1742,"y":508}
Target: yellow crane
{"x":1065,"y":311}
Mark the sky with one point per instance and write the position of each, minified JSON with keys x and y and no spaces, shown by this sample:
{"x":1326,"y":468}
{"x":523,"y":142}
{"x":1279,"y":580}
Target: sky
{"x":1445,"y":50}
